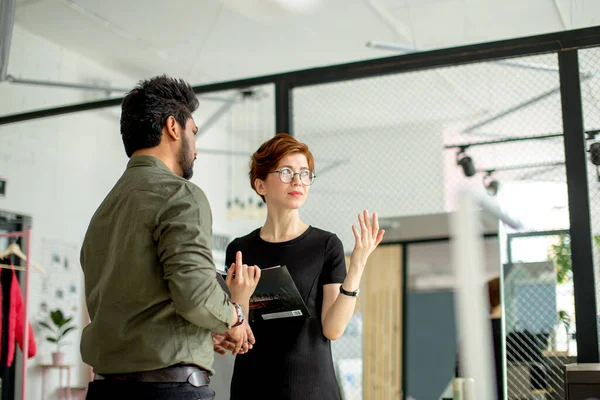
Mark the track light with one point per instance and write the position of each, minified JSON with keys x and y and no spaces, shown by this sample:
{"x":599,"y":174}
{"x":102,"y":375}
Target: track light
{"x":595,"y":156}
{"x":491,"y":185}
{"x":595,"y":153}
{"x":465,"y":162}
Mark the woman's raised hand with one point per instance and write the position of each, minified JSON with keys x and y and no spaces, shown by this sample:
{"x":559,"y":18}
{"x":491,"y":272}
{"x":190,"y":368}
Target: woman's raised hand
{"x":366,"y":240}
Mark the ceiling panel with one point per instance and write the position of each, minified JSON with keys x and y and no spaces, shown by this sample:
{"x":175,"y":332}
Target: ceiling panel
{"x":205,"y":41}
{"x":56,"y":21}
{"x":182,"y":24}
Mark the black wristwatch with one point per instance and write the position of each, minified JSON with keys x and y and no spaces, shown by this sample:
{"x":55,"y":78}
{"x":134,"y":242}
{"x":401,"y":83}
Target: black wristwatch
{"x":240,"y":314}
{"x":347,"y":293}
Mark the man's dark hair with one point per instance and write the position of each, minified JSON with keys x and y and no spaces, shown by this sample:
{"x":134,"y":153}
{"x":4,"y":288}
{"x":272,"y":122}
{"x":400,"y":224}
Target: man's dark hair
{"x":146,"y":108}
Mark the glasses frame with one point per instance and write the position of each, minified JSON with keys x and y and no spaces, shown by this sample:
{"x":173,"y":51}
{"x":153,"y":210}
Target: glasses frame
{"x":312,"y":175}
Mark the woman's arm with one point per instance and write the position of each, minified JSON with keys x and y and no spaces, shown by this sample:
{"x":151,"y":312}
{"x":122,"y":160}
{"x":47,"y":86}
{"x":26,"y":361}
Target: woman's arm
{"x":338,"y":308}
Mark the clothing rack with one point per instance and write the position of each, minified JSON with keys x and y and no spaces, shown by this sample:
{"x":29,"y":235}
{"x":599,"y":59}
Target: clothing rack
{"x":27,"y":236}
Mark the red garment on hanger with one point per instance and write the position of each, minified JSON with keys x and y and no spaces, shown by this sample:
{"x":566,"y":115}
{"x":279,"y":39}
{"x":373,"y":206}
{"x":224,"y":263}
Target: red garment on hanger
{"x":16,"y":321}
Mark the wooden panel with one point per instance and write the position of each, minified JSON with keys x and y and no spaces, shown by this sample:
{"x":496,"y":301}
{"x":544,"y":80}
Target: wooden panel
{"x":382,"y":324}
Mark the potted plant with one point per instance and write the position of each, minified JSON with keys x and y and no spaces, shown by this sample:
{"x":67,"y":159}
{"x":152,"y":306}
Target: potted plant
{"x":565,"y":319}
{"x":59,"y":328}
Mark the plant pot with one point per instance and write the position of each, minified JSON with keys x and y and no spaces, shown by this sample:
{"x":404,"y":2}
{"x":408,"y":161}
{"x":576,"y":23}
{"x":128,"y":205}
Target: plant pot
{"x":58,"y":358}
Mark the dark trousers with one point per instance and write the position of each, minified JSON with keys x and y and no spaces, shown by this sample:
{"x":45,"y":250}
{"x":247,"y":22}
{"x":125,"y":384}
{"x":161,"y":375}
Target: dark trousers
{"x":128,"y":390}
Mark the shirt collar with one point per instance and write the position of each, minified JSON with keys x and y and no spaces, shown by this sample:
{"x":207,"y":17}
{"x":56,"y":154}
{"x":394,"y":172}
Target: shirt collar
{"x":146,"y":161}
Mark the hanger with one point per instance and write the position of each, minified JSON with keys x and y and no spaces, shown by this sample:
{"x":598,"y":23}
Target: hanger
{"x":12,"y":267}
{"x":14,"y":248}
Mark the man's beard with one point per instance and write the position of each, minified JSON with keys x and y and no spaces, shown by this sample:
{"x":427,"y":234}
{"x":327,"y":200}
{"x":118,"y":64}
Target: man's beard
{"x":186,"y":161}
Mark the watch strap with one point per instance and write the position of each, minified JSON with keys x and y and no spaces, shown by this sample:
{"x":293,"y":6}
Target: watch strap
{"x":240,"y":315}
{"x":347,"y":293}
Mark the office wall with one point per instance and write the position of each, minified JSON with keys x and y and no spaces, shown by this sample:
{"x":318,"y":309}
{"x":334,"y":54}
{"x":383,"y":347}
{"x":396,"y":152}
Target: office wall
{"x":58,"y":170}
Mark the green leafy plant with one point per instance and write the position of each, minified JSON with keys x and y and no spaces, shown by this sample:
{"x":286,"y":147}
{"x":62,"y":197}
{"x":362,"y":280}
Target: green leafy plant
{"x":565,"y":319}
{"x":561,"y":254}
{"x":60,"y":328}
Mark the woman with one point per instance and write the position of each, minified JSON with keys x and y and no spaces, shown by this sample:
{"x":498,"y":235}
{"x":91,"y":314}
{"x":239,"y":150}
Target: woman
{"x":291,"y":358}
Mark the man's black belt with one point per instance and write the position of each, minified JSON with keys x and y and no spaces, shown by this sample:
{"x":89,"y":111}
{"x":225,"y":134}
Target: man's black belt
{"x":194,"y":375}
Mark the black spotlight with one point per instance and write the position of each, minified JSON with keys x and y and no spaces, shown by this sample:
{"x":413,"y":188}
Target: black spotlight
{"x":466,"y":163}
{"x":491,"y":185}
{"x":595,"y":153}
{"x":595,"y":157}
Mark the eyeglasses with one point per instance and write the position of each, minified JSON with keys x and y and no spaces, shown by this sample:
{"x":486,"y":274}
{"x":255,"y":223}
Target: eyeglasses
{"x":286,"y":175}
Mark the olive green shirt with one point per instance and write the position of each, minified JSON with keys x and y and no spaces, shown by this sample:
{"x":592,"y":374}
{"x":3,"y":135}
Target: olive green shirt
{"x":150,"y":279}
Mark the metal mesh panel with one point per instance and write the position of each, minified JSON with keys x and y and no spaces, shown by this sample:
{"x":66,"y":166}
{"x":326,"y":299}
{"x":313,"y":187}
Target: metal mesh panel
{"x":379,"y":142}
{"x":392,"y":144}
{"x":539,"y":314}
{"x":589,"y":65}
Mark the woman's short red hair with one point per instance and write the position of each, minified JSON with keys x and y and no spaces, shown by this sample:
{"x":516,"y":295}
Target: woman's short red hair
{"x":270,"y":153}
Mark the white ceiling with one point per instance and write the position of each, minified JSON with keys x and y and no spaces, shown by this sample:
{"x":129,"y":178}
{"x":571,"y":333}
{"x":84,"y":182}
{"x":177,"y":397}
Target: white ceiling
{"x":217,"y":40}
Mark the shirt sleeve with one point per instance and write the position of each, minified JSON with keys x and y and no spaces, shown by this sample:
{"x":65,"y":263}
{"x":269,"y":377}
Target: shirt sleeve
{"x":334,"y":269}
{"x":183,"y":235}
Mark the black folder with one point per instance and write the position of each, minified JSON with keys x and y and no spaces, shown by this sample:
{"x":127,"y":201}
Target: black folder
{"x":276,"y":296}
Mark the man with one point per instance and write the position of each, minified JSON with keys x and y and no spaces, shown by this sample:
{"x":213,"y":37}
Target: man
{"x":150,"y":282}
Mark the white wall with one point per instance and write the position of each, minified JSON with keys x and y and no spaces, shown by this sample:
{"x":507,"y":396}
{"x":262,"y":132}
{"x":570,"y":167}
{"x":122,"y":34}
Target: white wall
{"x":58,"y":171}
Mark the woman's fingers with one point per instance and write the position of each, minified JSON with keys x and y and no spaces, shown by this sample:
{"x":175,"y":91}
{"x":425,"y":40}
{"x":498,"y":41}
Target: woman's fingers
{"x":370,"y":234}
{"x":356,"y":234}
{"x":257,"y":274}
{"x":367,"y":219}
{"x":375,"y":229}
{"x":379,"y":237}
{"x":363,"y":226}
